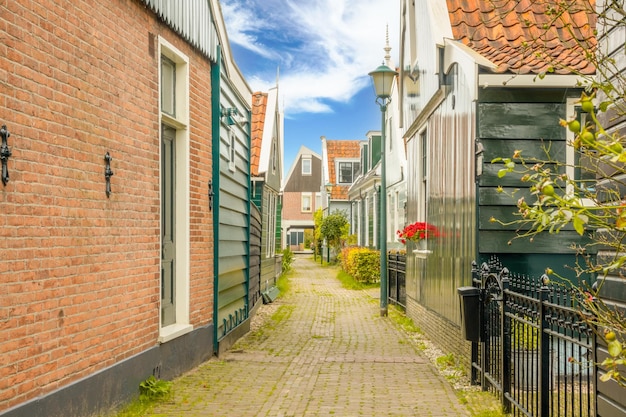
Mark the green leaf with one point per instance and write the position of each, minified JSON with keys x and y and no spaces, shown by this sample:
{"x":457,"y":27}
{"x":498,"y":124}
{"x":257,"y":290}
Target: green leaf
{"x":605,"y":377}
{"x":502,"y":172}
{"x":579,"y":225}
{"x":615,"y":348}
{"x":604,"y":105}
{"x":494,"y":160}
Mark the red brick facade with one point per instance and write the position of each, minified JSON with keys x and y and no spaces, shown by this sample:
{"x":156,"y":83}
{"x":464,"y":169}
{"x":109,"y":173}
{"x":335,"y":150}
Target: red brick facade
{"x":80,"y":272}
{"x":292,"y":206}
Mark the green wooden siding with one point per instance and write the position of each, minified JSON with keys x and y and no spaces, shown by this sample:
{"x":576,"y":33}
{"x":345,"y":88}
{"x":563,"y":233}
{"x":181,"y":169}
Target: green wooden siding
{"x":528,"y":122}
{"x":232,"y":189}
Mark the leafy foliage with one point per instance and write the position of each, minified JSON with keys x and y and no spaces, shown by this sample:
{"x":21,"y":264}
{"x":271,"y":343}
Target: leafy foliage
{"x":287,"y":259}
{"x":362,"y":263}
{"x":592,"y":204}
{"x":154,"y":389}
{"x":334,"y":229}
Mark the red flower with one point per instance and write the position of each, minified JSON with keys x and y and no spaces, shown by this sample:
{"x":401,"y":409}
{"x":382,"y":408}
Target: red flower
{"x":417,"y":231}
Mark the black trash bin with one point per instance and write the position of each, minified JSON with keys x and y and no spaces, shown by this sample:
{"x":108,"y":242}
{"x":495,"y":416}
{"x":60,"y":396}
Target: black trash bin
{"x":470,"y":313}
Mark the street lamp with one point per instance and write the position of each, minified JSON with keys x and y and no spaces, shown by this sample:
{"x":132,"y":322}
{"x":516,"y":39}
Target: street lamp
{"x":329,"y":189}
{"x":383,"y":77}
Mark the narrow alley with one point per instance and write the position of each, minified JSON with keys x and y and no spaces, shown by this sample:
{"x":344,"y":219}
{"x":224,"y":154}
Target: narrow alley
{"x":326,"y":352}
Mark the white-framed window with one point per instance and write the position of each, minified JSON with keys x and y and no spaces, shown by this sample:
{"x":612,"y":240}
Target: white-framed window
{"x":318,"y":200}
{"x":231,"y":150}
{"x":423,"y":170}
{"x":306,"y":200}
{"x":306,"y":166}
{"x":347,"y":171}
{"x":174,"y":115}
{"x":271,"y":225}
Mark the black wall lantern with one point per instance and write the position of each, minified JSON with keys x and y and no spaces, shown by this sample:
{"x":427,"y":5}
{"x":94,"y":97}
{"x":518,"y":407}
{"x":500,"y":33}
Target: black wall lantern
{"x":5,"y":153}
{"x":108,"y":173}
{"x":211,"y":194}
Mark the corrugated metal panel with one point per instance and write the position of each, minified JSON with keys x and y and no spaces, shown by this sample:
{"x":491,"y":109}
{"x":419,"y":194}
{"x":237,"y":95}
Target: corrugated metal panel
{"x":192,"y":20}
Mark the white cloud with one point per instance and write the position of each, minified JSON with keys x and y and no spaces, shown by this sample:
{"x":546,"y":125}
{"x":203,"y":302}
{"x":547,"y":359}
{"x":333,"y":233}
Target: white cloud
{"x":324,"y":48}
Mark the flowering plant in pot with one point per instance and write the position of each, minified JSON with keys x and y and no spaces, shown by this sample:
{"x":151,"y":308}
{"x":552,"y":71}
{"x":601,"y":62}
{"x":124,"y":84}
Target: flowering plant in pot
{"x":417,"y":231}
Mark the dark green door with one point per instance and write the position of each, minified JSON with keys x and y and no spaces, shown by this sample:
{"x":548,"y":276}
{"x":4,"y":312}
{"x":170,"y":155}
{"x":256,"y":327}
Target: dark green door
{"x":168,"y":248}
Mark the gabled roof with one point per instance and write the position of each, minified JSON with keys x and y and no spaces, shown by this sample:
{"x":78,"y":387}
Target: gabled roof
{"x":304,"y":151}
{"x":266,"y":130}
{"x":259,"y":107}
{"x":334,"y":150}
{"x":527,"y":36}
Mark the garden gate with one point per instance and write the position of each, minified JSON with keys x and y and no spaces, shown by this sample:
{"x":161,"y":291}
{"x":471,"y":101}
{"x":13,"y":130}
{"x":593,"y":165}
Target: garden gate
{"x":532,"y":346}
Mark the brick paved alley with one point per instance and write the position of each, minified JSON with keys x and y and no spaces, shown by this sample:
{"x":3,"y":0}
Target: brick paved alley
{"x":330,"y":355}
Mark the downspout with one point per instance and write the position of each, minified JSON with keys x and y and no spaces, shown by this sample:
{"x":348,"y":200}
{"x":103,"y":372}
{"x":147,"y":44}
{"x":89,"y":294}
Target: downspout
{"x":249,"y":208}
{"x":215,"y":127}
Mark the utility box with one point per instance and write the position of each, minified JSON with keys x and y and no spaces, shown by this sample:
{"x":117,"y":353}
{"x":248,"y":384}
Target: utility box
{"x":470,"y":313}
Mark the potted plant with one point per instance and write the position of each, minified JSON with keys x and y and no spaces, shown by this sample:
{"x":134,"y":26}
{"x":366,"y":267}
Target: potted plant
{"x":418,"y":232}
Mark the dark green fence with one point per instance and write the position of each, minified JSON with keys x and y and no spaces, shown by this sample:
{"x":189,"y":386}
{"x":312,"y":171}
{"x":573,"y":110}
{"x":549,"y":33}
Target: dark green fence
{"x":534,"y":348}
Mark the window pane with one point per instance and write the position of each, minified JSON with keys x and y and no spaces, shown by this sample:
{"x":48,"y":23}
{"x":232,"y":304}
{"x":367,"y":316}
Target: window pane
{"x":168,"y":86}
{"x":306,"y":203}
{"x":306,"y":167}
{"x":345,"y":172}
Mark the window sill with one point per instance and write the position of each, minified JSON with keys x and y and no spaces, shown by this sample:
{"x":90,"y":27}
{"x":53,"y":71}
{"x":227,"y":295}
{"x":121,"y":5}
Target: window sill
{"x":173,"y":331}
{"x":422,"y":253}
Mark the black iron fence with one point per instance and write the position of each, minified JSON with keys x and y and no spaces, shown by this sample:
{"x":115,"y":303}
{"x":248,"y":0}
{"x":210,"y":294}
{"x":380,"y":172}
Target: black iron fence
{"x":396,"y":274}
{"x":531,"y":343}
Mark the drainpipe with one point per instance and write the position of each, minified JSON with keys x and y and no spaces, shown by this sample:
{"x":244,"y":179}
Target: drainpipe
{"x":215,"y":127}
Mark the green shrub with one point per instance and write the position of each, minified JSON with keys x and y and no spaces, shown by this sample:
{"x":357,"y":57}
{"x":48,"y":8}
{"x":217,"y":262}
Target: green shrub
{"x":362,"y":263}
{"x":287,"y":259}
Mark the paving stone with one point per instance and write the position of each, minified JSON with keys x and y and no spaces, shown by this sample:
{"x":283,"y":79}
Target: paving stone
{"x":333,"y":355}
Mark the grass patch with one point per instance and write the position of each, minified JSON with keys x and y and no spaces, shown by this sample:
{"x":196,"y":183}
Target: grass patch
{"x":402,"y":320}
{"x":348,"y":282}
{"x":481,"y":404}
{"x":152,"y":391}
{"x":283,"y":284}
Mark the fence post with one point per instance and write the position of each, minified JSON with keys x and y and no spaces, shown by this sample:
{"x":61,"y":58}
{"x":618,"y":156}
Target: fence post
{"x":485,"y":358}
{"x":475,"y":345}
{"x":505,"y":345}
{"x":544,"y":350}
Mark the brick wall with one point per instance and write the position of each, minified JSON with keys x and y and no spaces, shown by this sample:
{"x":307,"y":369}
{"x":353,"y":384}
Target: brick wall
{"x":292,"y":207}
{"x":443,"y":333}
{"x":80,"y":272}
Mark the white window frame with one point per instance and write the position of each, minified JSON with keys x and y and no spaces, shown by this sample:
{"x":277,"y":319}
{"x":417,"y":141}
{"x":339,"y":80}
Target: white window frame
{"x":271,"y":225}
{"x":423,"y":174}
{"x":180,"y":122}
{"x":308,"y":171}
{"x":338,"y":162}
{"x":303,"y":197}
{"x":231,"y":150}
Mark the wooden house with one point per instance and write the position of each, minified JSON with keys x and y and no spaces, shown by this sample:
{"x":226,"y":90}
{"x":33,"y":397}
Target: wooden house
{"x":341,"y":165}
{"x":301,"y":197}
{"x":125,"y":199}
{"x":266,"y":176}
{"x":471,"y":91}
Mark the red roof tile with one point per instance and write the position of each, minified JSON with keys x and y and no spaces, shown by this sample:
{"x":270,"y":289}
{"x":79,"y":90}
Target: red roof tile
{"x":527,"y":36}
{"x":341,"y":149}
{"x":259,"y":106}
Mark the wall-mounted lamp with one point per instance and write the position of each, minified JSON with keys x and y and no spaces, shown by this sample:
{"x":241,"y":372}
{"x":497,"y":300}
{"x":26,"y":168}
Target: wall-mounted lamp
{"x":5,"y":153}
{"x":329,"y":188}
{"x":411,"y":80}
{"x":211,"y":194}
{"x":232,"y":116}
{"x":108,"y":173}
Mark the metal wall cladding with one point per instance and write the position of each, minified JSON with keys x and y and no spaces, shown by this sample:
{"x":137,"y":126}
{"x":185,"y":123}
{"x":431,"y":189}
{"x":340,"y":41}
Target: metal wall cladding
{"x":432,"y":278}
{"x":193,"y":20}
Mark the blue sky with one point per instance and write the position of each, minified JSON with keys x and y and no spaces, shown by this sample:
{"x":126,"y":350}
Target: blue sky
{"x":321,"y":51}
